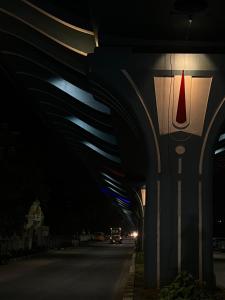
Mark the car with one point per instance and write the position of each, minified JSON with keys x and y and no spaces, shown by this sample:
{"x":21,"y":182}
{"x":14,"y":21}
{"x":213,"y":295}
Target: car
{"x":115,"y":235}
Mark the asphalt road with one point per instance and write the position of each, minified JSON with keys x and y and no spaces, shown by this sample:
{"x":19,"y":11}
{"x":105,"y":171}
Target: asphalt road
{"x":98,"y":271}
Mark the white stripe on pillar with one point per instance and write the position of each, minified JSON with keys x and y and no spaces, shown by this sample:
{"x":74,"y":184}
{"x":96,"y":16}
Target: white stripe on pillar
{"x":179,"y":225}
{"x":200,"y":231}
{"x":132,"y":83}
{"x":158,"y":234}
{"x":179,"y":171}
{"x":207,"y":135}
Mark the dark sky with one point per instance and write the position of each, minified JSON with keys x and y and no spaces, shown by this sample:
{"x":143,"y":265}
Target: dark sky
{"x":36,"y":162}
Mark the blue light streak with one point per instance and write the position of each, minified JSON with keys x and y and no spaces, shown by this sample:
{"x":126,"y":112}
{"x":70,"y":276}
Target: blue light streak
{"x":114,"y":195}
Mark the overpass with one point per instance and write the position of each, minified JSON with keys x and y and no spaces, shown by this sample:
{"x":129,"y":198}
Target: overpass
{"x":138,"y":93}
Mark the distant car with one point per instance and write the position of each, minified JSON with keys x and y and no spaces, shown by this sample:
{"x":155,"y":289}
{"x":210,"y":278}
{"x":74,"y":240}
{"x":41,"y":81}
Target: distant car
{"x":99,"y":236}
{"x":115,"y":235}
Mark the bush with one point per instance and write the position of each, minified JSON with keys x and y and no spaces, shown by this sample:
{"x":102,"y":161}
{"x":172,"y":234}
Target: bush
{"x":184,"y":287}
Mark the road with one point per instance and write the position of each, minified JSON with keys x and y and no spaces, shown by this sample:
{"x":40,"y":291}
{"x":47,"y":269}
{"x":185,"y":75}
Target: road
{"x":98,"y":271}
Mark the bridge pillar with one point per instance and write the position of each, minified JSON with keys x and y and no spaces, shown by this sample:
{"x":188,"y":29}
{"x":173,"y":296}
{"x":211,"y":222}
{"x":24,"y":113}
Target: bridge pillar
{"x":178,"y":223}
{"x":182,"y":100}
{"x":189,"y":97}
{"x":179,"y":102}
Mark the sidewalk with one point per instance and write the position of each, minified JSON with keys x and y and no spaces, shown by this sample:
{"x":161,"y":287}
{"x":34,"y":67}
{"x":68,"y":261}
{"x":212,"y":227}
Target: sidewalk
{"x":219,"y":268}
{"x":129,"y":289}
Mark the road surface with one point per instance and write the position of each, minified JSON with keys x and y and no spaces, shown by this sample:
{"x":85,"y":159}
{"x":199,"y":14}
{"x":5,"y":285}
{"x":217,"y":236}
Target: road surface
{"x":98,"y":271}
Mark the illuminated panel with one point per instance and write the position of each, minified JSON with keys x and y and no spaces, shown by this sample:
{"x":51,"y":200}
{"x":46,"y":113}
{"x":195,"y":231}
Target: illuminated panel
{"x":222,"y":137}
{"x":219,"y":150}
{"x":120,"y":205}
{"x":101,"y":152}
{"x":143,"y":195}
{"x":46,"y":13}
{"x":100,"y":134}
{"x":79,"y":94}
{"x":110,"y":178}
{"x":64,"y":34}
{"x":117,"y":187}
{"x":170,"y":94}
{"x":112,"y":189}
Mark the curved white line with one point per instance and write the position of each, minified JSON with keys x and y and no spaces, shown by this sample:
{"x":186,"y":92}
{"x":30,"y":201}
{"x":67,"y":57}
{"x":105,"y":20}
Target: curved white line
{"x":57,"y":19}
{"x":96,"y":38}
{"x":110,"y":97}
{"x":200,"y":233}
{"x":206,"y":136}
{"x":30,"y":60}
{"x":44,"y":33}
{"x":140,"y":203}
{"x":126,"y":74}
{"x":158,"y":235}
{"x":200,"y":191}
{"x":179,"y":238}
{"x":200,"y":247}
{"x":40,"y":49}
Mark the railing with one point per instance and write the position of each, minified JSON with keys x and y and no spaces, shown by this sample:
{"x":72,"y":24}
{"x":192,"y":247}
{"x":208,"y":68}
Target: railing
{"x":17,"y":246}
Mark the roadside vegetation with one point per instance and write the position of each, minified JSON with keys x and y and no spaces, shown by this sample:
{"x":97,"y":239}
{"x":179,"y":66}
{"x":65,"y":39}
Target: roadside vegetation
{"x":184,"y":287}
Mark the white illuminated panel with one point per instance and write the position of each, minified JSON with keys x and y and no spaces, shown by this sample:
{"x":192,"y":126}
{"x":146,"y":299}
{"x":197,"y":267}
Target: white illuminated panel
{"x":219,"y":150}
{"x":115,"y":191}
{"x":101,"y":152}
{"x":167,"y":93}
{"x":222,"y":137}
{"x":184,"y":61}
{"x":112,"y":184}
{"x":79,"y":94}
{"x":143,"y":195}
{"x":111,"y":178}
{"x":100,"y":134}
{"x":125,"y":205}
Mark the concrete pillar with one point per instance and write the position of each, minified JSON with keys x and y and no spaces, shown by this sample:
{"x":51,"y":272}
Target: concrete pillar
{"x":179,"y":102}
{"x":178,"y":223}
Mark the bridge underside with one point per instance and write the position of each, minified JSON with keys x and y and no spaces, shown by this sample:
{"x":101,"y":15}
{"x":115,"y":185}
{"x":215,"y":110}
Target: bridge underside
{"x":141,"y":104}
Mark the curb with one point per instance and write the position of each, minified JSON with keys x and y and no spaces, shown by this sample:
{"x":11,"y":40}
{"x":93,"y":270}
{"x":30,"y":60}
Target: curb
{"x":129,"y":288}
